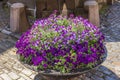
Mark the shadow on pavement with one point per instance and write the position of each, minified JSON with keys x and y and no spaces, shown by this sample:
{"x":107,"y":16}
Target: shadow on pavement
{"x":100,"y":73}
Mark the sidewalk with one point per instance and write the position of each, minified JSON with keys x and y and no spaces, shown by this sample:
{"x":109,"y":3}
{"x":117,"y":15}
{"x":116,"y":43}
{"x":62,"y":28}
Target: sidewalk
{"x":12,"y":69}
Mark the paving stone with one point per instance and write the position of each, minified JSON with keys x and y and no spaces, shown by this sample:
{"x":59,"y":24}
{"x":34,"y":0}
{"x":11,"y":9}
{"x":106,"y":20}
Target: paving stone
{"x":16,"y":35}
{"x":109,"y":78}
{"x":1,"y":65}
{"x":100,"y":74}
{"x":116,"y":63}
{"x":32,"y":76}
{"x":13,"y":75}
{"x":7,"y":44}
{"x":1,"y":51}
{"x":18,"y":67}
{"x":8,"y":64}
{"x":108,"y":72}
{"x":2,"y":36}
{"x":27,"y":72}
{"x":1,"y":71}
{"x":24,"y":76}
{"x":1,"y":79}
{"x":4,"y":59}
{"x":5,"y":77}
{"x":104,"y":70}
{"x":11,"y":62}
{"x":2,"y":47}
{"x":6,"y":70}
{"x":114,"y":76}
{"x":21,"y":78}
{"x":6,"y":32}
{"x":94,"y":77}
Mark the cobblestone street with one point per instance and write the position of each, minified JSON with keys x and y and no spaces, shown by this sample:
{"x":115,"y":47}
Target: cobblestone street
{"x":12,"y":69}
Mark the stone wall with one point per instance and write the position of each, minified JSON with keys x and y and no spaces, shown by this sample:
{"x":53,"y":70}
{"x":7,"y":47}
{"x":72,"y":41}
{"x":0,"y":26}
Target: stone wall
{"x":46,"y":7}
{"x":66,"y":7}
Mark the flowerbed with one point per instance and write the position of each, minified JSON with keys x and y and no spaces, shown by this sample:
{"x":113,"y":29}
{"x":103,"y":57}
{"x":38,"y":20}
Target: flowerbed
{"x":61,"y":43}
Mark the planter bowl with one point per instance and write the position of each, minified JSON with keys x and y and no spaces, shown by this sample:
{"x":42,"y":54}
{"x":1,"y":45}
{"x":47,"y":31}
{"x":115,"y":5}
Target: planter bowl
{"x":53,"y":75}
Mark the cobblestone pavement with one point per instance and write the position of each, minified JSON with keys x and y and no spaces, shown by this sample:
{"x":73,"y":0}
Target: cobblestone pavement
{"x":12,"y":69}
{"x":4,"y":17}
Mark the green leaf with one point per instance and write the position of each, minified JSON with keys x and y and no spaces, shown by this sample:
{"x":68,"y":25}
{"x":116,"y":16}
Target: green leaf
{"x":63,"y":70}
{"x":90,"y":65}
{"x":28,"y":59}
{"x":60,"y":22}
{"x":22,"y":58}
{"x":65,"y":22}
{"x":40,"y":67}
{"x":73,"y":54}
{"x":89,"y":51}
{"x":74,"y":29}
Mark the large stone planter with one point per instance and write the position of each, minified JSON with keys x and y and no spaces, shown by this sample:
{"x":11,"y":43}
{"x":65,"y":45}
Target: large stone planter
{"x":53,"y":75}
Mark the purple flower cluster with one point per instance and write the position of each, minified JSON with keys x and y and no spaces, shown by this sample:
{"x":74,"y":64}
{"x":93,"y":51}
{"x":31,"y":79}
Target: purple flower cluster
{"x":61,"y":43}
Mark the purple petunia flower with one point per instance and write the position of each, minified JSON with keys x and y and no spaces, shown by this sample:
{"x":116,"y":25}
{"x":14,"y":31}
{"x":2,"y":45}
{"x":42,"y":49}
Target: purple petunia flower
{"x":37,"y":60}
